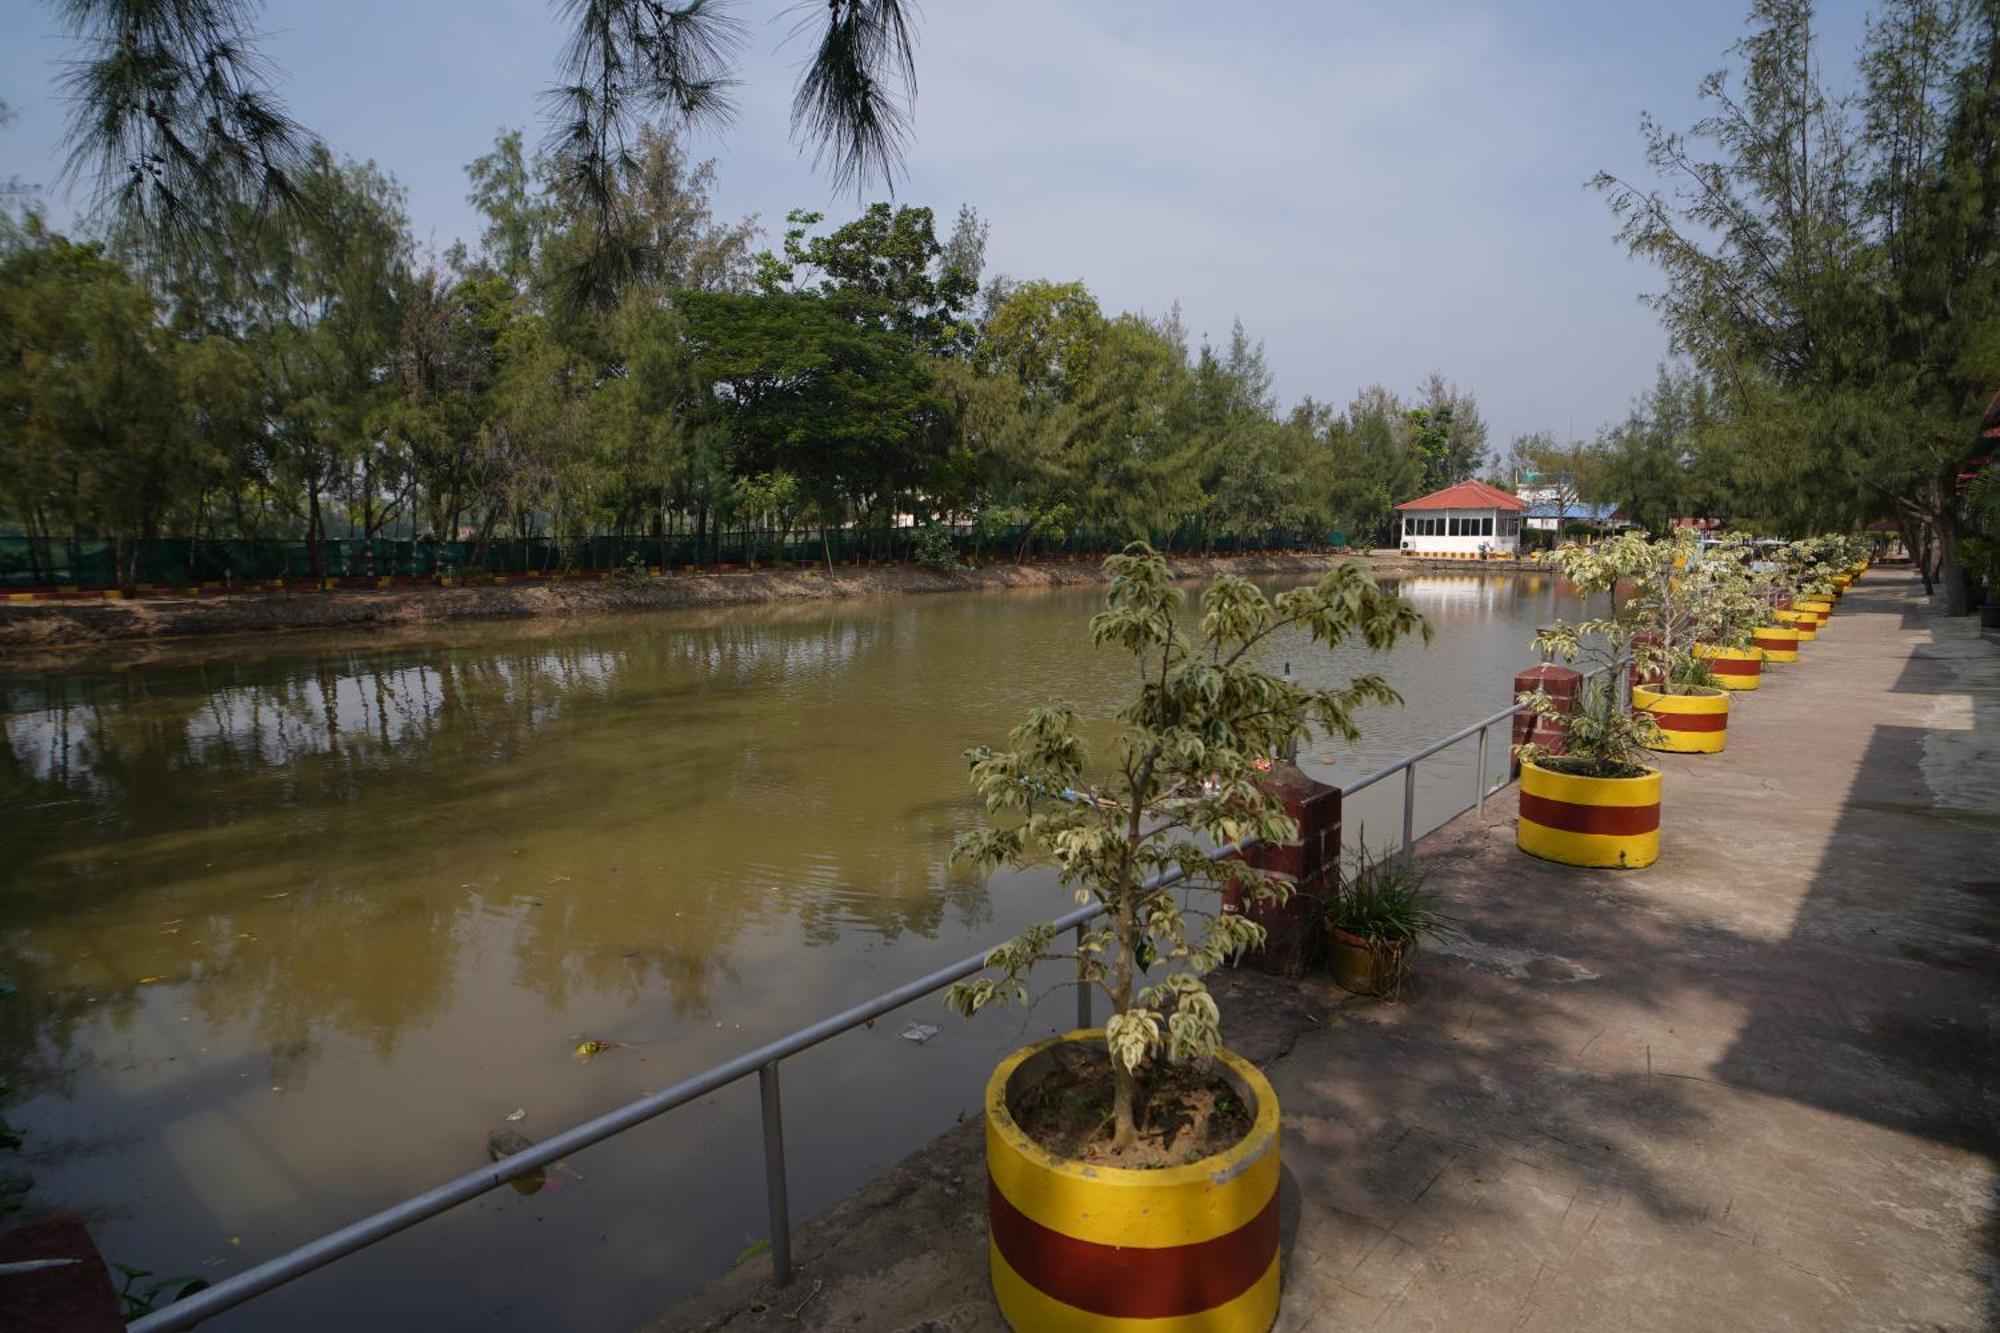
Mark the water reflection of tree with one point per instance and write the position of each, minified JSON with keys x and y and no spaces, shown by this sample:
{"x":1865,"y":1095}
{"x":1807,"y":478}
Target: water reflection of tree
{"x":370,"y":787}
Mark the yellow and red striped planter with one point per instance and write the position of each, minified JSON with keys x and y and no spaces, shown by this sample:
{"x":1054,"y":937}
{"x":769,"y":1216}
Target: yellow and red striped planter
{"x":1734,"y":668}
{"x":1779,"y":643}
{"x":1807,"y":623}
{"x":1689,"y":723}
{"x":1820,"y":606}
{"x":1598,"y":822}
{"x":1183,"y":1249}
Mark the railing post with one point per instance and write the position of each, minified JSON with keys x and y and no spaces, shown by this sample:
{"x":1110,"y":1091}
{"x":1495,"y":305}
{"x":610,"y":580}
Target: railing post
{"x":774,"y":1175}
{"x":1479,"y":802}
{"x":1082,"y":986}
{"x":1409,"y":812}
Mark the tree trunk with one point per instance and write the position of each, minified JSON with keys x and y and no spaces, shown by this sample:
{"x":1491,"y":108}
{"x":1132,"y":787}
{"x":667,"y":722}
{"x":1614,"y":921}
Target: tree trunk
{"x":315,"y":534}
{"x":1951,"y":572}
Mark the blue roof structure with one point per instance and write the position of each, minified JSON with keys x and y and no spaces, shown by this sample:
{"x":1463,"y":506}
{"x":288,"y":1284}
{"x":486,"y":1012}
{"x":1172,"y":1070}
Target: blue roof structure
{"x":1581,"y":513}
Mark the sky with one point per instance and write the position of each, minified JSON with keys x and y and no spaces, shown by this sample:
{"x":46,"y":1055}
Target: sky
{"x":1376,"y":191}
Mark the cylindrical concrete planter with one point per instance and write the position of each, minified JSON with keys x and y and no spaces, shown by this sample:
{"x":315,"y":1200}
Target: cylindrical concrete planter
{"x":1805,"y":622}
{"x":1580,"y":821}
{"x":1087,"y":1248}
{"x":1734,"y":668}
{"x":1689,"y":723}
{"x":1821,"y":606}
{"x":1779,"y":643}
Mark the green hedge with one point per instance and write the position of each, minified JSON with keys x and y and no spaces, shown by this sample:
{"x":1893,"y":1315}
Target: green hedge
{"x":91,"y":562}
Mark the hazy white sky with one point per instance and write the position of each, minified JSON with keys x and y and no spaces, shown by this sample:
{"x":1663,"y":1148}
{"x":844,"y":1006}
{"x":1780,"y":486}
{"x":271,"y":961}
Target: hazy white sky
{"x":1377,"y":191}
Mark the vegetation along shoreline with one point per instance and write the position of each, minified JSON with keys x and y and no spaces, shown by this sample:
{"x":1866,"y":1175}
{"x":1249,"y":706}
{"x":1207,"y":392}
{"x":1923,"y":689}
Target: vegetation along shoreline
{"x":43,"y":627}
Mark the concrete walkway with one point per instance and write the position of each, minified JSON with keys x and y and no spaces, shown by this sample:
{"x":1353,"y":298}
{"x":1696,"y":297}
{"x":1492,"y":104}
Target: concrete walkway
{"x":1756,"y":1086}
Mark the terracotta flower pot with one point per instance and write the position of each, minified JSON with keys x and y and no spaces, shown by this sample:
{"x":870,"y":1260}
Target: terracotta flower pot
{"x":1082,"y":1249}
{"x":1584,"y":821}
{"x":1364,"y":969}
{"x":1695,"y":723}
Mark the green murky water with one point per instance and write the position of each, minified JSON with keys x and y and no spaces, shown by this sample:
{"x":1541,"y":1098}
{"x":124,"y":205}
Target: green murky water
{"x":295,"y":922}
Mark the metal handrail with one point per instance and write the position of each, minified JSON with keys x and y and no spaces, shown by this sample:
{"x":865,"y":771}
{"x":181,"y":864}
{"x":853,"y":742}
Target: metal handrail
{"x":1407,"y":765}
{"x":763,"y":1061}
{"x":1410,"y":760}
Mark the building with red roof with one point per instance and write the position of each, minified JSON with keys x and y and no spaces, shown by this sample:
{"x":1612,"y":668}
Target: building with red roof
{"x":1467,"y":521}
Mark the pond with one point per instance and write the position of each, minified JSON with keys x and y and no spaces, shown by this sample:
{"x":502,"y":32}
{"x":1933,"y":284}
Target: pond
{"x":295,"y":923}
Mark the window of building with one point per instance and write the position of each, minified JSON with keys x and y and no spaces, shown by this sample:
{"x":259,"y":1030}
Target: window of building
{"x":1486,"y":526}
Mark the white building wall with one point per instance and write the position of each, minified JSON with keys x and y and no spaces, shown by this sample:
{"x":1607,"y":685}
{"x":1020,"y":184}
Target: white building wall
{"x":1464,"y":544}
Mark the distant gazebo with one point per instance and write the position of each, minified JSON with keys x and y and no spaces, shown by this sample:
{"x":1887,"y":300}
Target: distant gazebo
{"x":1468,"y":521}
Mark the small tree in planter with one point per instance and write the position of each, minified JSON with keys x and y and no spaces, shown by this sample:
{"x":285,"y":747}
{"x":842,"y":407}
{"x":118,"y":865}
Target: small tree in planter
{"x":1204,"y":725}
{"x":1597,"y":803}
{"x":1721,"y":591}
{"x":1805,"y":568}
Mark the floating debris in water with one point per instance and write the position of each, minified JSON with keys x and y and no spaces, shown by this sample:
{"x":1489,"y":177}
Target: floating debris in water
{"x":521,"y":1114}
{"x":921,"y":1032}
{"x":148,"y":981}
{"x":596,"y":1046}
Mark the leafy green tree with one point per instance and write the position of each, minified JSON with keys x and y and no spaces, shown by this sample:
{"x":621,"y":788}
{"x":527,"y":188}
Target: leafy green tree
{"x":890,"y":266}
{"x":1454,"y":414}
{"x":1836,"y":278}
{"x":808,"y":389}
{"x":1669,"y":459}
{"x":91,"y":437}
{"x":1183,"y":777}
{"x":1371,"y":464}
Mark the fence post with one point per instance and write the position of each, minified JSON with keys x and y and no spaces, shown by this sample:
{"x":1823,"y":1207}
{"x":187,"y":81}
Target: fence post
{"x":1409,"y":812}
{"x":1562,"y":685}
{"x":1479,"y":797}
{"x":774,"y":1175}
{"x":1293,"y":942}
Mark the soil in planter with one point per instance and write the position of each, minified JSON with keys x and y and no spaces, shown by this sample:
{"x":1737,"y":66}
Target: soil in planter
{"x":1184,"y":1114}
{"x":1590,"y":768}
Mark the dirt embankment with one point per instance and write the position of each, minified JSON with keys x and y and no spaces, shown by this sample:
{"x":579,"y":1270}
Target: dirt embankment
{"x":37,"y":627}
